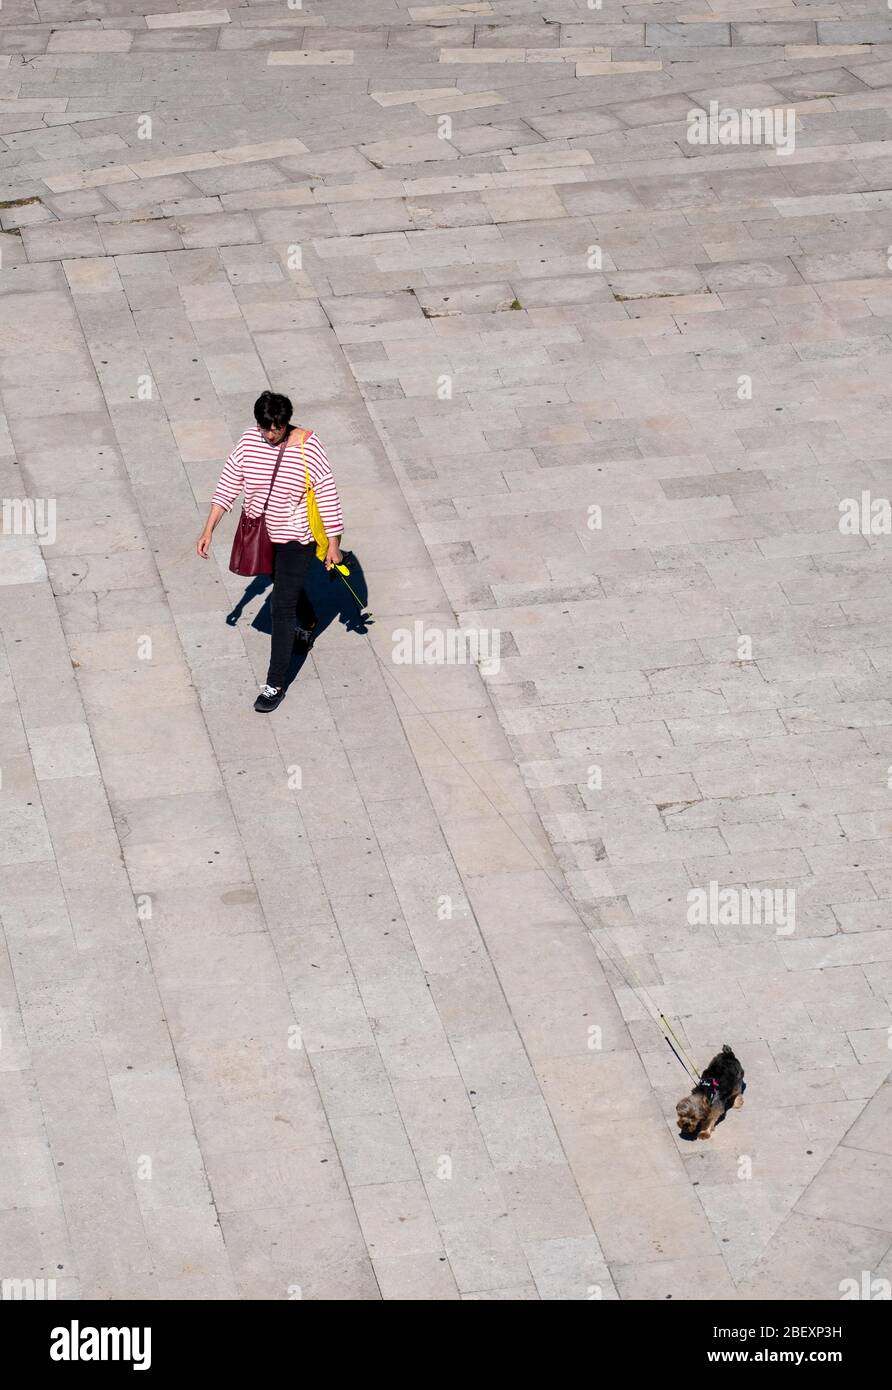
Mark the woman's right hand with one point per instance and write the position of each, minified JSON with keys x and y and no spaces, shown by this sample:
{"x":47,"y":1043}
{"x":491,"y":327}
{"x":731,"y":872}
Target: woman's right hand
{"x":203,"y":544}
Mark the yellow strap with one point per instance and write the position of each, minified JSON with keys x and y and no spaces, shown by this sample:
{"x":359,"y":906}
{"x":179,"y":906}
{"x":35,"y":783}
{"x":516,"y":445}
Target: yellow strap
{"x":309,"y":493}
{"x":308,"y":487}
{"x":304,"y":436}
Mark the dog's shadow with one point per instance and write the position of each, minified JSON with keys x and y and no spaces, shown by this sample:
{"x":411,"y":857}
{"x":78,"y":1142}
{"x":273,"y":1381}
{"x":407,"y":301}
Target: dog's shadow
{"x":329,"y":595}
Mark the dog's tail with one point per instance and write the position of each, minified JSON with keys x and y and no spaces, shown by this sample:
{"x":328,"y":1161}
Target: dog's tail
{"x":726,"y":1048}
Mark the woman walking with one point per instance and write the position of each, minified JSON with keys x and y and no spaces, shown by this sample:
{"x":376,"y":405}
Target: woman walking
{"x":251,"y":466}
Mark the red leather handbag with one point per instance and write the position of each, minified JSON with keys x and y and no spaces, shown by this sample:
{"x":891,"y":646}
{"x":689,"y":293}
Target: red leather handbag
{"x":252,"y":549}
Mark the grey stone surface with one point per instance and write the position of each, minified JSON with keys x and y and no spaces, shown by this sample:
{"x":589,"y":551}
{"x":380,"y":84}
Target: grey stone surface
{"x":359,"y":1002}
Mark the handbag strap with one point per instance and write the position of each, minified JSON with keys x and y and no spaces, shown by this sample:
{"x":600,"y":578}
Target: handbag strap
{"x":272,"y":481}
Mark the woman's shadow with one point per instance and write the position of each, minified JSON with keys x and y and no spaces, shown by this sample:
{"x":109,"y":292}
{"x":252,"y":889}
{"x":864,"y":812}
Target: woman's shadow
{"x":329,"y":595}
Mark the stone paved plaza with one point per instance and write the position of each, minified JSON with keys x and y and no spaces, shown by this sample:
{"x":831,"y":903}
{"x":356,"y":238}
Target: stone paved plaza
{"x":358,"y":1001}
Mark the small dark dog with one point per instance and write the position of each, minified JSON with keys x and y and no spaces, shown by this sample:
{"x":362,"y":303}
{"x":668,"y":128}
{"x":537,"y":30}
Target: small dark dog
{"x":720,"y":1088}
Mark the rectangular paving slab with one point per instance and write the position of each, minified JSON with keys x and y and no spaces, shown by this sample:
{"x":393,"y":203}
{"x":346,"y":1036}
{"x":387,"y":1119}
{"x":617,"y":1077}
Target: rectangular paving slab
{"x":363,"y":1000}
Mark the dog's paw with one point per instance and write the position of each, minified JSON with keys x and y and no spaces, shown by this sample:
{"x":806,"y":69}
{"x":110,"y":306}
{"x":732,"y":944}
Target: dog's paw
{"x":738,"y":1102}
{"x":705,"y":1134}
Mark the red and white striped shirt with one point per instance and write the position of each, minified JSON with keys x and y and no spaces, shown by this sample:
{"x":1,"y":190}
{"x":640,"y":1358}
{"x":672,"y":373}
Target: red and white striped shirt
{"x":250,"y":467}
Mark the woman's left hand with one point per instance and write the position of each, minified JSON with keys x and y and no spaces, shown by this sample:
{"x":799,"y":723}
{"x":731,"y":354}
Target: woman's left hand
{"x":334,"y":556}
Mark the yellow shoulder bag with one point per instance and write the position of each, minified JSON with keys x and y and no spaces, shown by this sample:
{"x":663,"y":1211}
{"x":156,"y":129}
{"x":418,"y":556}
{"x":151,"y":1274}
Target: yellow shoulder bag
{"x":314,"y":516}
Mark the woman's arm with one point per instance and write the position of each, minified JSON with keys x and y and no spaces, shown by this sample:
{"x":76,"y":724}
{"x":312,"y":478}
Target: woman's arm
{"x":230,"y":484}
{"x":327,"y":499}
{"x":203,"y":544}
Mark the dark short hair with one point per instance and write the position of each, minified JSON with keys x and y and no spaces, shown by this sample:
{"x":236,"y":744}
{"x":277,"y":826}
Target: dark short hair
{"x":272,"y":410}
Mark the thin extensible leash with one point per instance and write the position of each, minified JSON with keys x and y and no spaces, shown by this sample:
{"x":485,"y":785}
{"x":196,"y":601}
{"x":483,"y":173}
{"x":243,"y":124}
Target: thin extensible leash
{"x":688,"y":1065}
{"x":363,"y":608}
{"x":656,"y":1015}
{"x":673,"y":1042}
{"x":626,"y":969}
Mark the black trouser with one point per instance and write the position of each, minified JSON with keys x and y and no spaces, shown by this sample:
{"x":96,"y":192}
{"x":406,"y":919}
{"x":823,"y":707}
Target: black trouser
{"x":290,"y":605}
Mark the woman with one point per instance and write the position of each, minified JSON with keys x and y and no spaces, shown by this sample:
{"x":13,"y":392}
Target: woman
{"x":250,"y":466}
